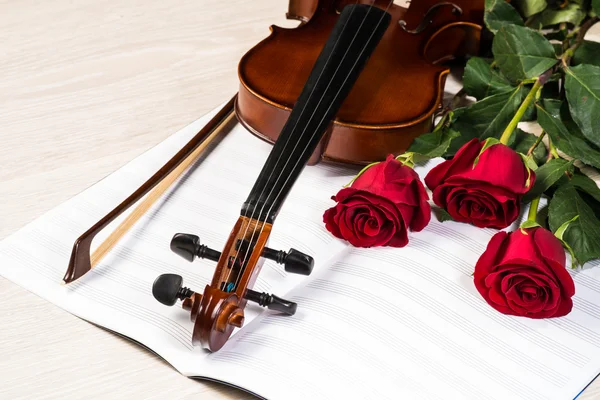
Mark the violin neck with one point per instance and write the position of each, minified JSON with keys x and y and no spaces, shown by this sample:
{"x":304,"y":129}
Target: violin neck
{"x":353,"y":39}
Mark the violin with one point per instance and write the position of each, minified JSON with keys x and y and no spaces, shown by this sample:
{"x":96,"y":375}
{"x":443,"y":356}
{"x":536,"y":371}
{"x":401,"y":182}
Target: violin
{"x":395,"y":97}
{"x":330,"y":89}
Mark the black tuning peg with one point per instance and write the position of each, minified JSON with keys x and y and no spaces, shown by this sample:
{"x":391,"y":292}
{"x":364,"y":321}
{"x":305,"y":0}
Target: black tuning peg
{"x":167,"y":288}
{"x":272,"y":302}
{"x":189,"y":247}
{"x":294,"y":261}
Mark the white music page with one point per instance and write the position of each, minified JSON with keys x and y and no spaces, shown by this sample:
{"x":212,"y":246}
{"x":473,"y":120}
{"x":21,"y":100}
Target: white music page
{"x":371,"y":323}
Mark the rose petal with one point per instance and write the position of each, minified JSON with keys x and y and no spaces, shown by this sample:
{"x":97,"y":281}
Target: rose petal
{"x":500,"y":166}
{"x":462,"y":161}
{"x":548,"y":246}
{"x":488,"y":260}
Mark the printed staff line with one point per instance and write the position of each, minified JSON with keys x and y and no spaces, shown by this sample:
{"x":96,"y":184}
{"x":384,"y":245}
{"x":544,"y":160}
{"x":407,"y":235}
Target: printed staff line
{"x":456,"y":237}
{"x":534,"y":336}
{"x":301,"y":353}
{"x":543,"y":341}
{"x":193,"y":279}
{"x":124,"y":279}
{"x":58,"y":273}
{"x":142,"y":234}
{"x":175,"y":334}
{"x":442,"y":255}
{"x":583,"y":279}
{"x":41,"y":270}
{"x":51,"y":244}
{"x":577,"y":330}
{"x":335,"y":340}
{"x":400,"y":346}
{"x":502,"y":348}
{"x":398,"y":260}
{"x":587,"y":307}
{"x":458,"y":351}
{"x":170,"y":327}
{"x":190,"y":193}
{"x":118,"y":302}
{"x":129,"y":255}
{"x":254,"y":363}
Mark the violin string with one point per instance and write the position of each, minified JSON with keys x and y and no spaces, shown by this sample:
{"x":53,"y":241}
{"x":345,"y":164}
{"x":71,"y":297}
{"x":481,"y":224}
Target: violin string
{"x":283,"y":151}
{"x":260,"y":214}
{"x":319,"y":124}
{"x":322,"y":119}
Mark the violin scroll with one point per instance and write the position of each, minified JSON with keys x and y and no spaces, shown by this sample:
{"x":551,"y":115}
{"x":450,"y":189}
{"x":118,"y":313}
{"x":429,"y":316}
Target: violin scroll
{"x":228,"y":309}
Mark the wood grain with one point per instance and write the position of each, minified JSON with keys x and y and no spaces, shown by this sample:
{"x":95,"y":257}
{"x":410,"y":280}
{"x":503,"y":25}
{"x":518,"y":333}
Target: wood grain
{"x":87,"y":86}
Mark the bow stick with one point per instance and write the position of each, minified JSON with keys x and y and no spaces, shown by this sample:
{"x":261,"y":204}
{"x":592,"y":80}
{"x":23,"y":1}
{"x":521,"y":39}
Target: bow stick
{"x":81,"y":262}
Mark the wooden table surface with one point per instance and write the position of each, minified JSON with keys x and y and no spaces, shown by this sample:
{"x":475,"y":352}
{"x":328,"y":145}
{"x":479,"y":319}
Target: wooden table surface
{"x":85,"y":86}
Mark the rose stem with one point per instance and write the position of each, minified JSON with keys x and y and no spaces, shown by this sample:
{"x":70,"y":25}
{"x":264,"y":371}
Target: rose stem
{"x":553,"y":153}
{"x":580,"y":32}
{"x":539,"y":82}
{"x":536,"y":144}
{"x":533,"y":209}
{"x":552,"y":150}
{"x":361,"y":172}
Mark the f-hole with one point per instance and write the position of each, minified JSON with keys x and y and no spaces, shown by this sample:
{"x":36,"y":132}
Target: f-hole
{"x":430,"y":15}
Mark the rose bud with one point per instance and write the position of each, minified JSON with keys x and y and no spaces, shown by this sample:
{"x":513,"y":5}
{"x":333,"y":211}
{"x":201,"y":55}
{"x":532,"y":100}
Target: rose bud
{"x":488,"y":194}
{"x":380,"y":206}
{"x":523,"y":273}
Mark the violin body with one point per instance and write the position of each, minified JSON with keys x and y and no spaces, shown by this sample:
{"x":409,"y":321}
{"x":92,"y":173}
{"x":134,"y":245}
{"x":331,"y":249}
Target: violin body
{"x":397,"y":93}
{"x":352,"y":83}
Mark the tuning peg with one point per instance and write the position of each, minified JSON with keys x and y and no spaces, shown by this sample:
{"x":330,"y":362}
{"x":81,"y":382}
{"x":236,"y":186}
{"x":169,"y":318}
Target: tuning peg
{"x":272,"y":302}
{"x":167,"y":288}
{"x":189,"y":247}
{"x":294,"y":261}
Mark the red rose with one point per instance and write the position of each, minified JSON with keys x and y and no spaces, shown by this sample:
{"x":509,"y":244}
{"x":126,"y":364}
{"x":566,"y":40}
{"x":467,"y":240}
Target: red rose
{"x":523,"y":273}
{"x":487,"y":195}
{"x":380,"y":206}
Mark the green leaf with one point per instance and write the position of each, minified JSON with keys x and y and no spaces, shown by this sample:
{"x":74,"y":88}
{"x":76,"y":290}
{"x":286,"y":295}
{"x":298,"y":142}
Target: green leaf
{"x":489,"y":142}
{"x":433,"y":144}
{"x":583,"y":233}
{"x":586,"y":184}
{"x":542,"y":217}
{"x":530,"y":7}
{"x":499,"y":13}
{"x":442,"y":215}
{"x":582,"y":87}
{"x":530,"y":165}
{"x":556,"y":35}
{"x":522,"y":141}
{"x":361,"y":172}
{"x":596,"y":6}
{"x":587,"y":53}
{"x":560,"y":232}
{"x":529,"y":224}
{"x":566,"y":139}
{"x":547,"y":175}
{"x":572,"y":14}
{"x":486,"y":118}
{"x":481,"y":81}
{"x":522,"y":53}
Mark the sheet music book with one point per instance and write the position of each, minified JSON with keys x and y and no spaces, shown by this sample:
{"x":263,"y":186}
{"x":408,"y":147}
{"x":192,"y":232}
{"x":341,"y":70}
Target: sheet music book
{"x":371,"y":323}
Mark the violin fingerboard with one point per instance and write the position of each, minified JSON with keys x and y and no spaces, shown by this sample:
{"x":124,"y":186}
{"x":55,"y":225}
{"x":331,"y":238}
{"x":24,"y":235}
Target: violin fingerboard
{"x":352,"y":41}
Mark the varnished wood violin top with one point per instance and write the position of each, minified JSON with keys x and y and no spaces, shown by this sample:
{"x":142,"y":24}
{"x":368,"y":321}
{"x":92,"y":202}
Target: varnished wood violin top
{"x":394,"y":98}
